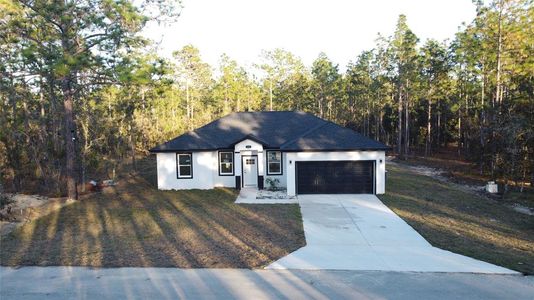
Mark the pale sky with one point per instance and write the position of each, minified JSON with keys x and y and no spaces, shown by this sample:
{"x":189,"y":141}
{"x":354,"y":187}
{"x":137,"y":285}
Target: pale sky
{"x":340,"y":28}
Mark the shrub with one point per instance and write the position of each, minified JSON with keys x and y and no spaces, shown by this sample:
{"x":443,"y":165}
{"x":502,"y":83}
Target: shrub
{"x":5,"y":200}
{"x":272,"y":184}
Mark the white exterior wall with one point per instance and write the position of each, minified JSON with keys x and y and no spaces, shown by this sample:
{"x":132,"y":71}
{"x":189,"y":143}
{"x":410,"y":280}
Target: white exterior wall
{"x":206,"y":167}
{"x":205,"y":172}
{"x":223,"y":181}
{"x":292,"y":157}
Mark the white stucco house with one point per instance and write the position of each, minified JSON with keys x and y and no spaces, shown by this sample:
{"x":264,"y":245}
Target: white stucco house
{"x":306,"y":154}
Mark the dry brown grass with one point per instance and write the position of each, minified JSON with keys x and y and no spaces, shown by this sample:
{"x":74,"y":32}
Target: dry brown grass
{"x":136,"y":225}
{"x":460,"y":221}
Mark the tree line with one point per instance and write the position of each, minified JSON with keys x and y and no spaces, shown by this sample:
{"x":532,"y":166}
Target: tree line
{"x":81,"y":91}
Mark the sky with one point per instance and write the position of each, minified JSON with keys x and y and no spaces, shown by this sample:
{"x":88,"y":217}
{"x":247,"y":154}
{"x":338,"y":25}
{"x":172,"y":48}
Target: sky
{"x":340,"y":28}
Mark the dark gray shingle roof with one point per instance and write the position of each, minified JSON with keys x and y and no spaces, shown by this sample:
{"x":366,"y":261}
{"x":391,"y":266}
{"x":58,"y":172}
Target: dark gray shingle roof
{"x":286,"y":130}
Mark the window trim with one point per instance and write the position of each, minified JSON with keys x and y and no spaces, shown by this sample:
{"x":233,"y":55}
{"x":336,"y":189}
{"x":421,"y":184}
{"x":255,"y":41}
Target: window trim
{"x":281,"y":163}
{"x":178,"y":165}
{"x":219,"y":162}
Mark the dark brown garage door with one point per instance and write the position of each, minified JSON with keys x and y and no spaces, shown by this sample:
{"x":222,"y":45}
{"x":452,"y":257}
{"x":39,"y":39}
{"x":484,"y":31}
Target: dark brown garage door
{"x":335,"y":177}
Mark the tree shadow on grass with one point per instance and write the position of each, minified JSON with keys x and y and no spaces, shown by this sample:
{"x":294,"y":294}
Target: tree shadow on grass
{"x":135,"y":225}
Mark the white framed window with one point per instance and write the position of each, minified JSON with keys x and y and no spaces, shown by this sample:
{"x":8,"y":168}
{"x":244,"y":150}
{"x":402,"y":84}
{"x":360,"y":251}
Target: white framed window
{"x":226,"y":163}
{"x":274,"y":163}
{"x":184,"y":165}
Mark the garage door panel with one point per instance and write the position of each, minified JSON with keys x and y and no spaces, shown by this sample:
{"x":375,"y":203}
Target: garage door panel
{"x":330,"y":177}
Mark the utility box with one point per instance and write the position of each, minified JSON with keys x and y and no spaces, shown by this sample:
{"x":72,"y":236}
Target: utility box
{"x":491,"y":187}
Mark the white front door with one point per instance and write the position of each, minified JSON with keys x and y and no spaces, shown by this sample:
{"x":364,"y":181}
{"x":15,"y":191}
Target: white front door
{"x":250,"y":171}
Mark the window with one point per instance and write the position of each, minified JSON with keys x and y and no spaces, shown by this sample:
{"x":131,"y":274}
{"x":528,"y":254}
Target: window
{"x":184,"y":165}
{"x":226,"y":163}
{"x":274,"y":163}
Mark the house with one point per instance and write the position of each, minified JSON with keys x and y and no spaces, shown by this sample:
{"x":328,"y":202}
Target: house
{"x":308,"y":155}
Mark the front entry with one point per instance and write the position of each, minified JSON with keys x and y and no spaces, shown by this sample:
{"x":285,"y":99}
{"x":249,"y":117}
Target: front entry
{"x":250,"y":171}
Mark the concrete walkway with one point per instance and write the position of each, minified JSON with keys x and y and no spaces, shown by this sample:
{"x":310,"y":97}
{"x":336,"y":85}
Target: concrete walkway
{"x":358,"y":232}
{"x":167,"y":283}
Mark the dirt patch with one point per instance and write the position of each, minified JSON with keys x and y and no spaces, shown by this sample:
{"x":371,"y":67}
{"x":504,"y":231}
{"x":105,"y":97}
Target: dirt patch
{"x":27,"y":208}
{"x":438,"y":174}
{"x":20,"y":204}
{"x":472,"y":186}
{"x":24,"y":201}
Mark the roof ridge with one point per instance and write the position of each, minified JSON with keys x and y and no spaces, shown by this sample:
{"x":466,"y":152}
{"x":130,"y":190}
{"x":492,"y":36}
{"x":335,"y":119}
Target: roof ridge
{"x":305,"y":133}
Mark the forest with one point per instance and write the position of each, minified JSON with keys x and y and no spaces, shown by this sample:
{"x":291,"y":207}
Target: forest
{"x":81,"y":91}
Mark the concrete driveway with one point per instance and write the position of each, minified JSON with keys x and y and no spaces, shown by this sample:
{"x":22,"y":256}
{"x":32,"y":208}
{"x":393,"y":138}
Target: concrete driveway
{"x":359,"y":232}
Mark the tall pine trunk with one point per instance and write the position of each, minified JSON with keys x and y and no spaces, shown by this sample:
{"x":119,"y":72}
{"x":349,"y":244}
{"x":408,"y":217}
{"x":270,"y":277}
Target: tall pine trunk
{"x":428,"y":127}
{"x":498,"y":80}
{"x":399,"y":124}
{"x":406,"y":126}
{"x":132,"y":147}
{"x":14,"y":152}
{"x":482,"y":122}
{"x":271,"y":96}
{"x":497,"y":102}
{"x":70,"y":173}
{"x":68,"y":107}
{"x":438,"y":125}
{"x":458,"y":146}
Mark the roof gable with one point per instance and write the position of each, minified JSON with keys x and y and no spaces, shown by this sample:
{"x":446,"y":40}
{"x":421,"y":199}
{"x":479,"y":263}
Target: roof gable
{"x":252,"y":138}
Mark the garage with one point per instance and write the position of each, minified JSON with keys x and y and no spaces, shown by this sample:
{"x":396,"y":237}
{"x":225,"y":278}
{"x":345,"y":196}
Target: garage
{"x":335,"y":177}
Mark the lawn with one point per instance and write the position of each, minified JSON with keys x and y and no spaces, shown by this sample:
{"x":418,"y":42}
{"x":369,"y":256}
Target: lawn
{"x":135,"y":225}
{"x":460,"y":221}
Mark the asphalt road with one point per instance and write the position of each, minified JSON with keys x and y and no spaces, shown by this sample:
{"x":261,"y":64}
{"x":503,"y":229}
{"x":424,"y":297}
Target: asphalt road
{"x":168,"y":283}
